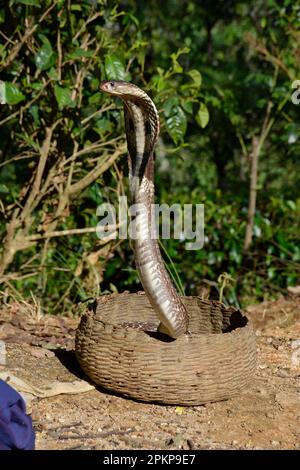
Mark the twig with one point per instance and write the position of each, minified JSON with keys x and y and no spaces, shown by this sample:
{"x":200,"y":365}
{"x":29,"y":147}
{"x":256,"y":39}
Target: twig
{"x":257,"y":143}
{"x":94,"y":174}
{"x":18,"y":157}
{"x":32,"y":200}
{"x":89,"y":20}
{"x":15,"y":277}
{"x":59,"y":55}
{"x":99,"y":111}
{"x":74,"y":231}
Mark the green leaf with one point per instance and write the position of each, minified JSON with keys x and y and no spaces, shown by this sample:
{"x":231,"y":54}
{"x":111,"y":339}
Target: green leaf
{"x":34,"y":111}
{"x":196,"y":77}
{"x":4,"y":189}
{"x":2,"y":92}
{"x":176,"y":125}
{"x":169,"y":105}
{"x":78,"y":53}
{"x":263,"y":22}
{"x":114,"y":68}
{"x":187,"y":105}
{"x":2,"y":16}
{"x":52,"y":73}
{"x":202,"y":117}
{"x":45,"y":57}
{"x":95,"y":98}
{"x":10,"y":94}
{"x":34,"y":3}
{"x":76,"y":7}
{"x":63,"y":97}
{"x":291,"y":205}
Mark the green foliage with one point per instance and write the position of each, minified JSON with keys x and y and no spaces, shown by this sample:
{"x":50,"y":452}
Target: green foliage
{"x":11,"y":94}
{"x":213,"y":69}
{"x":45,"y":57}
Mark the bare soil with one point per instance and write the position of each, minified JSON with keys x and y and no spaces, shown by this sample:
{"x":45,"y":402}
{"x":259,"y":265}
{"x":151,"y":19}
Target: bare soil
{"x":264,"y":416}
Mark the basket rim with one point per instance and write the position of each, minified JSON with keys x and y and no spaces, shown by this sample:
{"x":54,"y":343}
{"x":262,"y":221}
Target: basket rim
{"x":92,"y":313}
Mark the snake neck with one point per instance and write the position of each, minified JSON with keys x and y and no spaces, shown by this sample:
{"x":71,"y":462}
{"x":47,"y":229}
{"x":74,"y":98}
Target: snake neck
{"x":142,"y":129}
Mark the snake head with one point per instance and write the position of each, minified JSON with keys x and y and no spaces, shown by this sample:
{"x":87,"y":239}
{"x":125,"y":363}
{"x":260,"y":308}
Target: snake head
{"x":115,"y":87}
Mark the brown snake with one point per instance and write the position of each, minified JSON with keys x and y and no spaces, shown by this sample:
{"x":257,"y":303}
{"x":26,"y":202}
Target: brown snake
{"x":142,"y":129}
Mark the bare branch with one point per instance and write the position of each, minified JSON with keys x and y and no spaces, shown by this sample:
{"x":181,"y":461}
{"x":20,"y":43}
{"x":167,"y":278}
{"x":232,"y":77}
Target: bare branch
{"x":94,"y":174}
{"x":31,"y":201}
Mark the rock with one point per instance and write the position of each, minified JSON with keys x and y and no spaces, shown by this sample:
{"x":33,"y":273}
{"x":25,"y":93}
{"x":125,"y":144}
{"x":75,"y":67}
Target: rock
{"x":41,"y":352}
{"x":294,"y":290}
{"x":284,"y":373}
{"x":275,"y":443}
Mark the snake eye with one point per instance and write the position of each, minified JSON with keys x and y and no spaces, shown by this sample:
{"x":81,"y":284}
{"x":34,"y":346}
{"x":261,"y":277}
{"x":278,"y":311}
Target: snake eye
{"x":112,"y":84}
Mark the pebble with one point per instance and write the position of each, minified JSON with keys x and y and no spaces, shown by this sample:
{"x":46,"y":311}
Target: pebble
{"x":295,"y":344}
{"x":283,"y":373}
{"x":263,"y":392}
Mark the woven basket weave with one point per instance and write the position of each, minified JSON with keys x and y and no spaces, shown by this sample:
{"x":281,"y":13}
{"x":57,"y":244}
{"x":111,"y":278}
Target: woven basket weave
{"x":213,"y":363}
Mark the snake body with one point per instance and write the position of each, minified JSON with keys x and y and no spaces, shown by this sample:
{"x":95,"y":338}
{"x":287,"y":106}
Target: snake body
{"x":142,"y":130}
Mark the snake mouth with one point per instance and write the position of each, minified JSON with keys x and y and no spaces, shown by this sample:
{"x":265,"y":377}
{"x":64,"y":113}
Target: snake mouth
{"x":108,"y":86}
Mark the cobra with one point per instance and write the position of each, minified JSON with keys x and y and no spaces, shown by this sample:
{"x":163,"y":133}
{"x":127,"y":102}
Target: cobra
{"x":142,"y":130}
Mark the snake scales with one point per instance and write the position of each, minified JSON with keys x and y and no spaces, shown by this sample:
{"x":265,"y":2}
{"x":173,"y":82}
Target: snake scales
{"x":213,"y":356}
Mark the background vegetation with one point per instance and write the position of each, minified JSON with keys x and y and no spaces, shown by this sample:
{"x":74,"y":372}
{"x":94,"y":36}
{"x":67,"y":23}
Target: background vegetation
{"x":221,"y":74}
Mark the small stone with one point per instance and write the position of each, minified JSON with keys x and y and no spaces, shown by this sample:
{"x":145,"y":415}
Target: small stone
{"x":263,"y":392}
{"x":295,"y":344}
{"x":283,"y":373}
{"x":275,"y":443}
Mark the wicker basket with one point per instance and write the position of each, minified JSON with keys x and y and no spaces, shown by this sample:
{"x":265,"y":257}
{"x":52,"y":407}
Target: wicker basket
{"x":213,"y":363}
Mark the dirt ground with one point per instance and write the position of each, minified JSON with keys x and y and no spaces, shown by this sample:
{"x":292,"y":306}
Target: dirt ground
{"x":37,"y":352}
